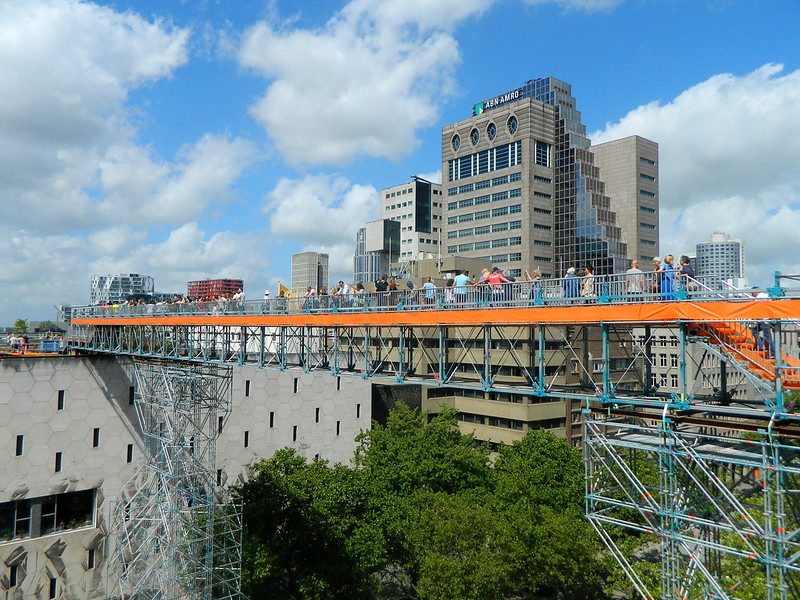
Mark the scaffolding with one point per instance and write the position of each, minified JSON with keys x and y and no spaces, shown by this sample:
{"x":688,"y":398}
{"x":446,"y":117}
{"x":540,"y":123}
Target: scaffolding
{"x":175,"y":533}
{"x":704,"y":486}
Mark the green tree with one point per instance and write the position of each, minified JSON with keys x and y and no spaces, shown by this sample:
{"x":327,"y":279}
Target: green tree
{"x":20,"y":326}
{"x":305,"y":532}
{"x":409,"y":454}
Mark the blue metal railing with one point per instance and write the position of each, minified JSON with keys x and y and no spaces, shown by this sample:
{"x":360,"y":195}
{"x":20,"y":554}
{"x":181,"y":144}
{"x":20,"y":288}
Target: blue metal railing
{"x":569,"y":291}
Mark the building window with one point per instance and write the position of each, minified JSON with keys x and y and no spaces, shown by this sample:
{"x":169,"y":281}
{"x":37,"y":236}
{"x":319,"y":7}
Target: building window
{"x":338,"y":427}
{"x":316,"y":415}
{"x":60,"y":405}
{"x":131,"y":394}
{"x":358,"y":411}
{"x":646,"y":177}
{"x":220,"y":423}
{"x":59,"y":512}
{"x":246,"y":439}
{"x":542,"y":154}
{"x":12,"y":576}
{"x":271,"y":419}
{"x":53,"y":587}
{"x":20,"y":444}
{"x":129,"y":454}
{"x":58,"y":462}
{"x":512,"y":125}
{"x":96,"y":437}
{"x":456,"y":143}
{"x":491,"y":131}
{"x":474,"y":136}
{"x":294,"y":433}
{"x":90,"y":559}
{"x":246,"y":388}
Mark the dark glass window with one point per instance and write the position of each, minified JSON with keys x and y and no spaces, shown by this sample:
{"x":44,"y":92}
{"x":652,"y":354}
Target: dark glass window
{"x":512,"y":125}
{"x":456,"y":143}
{"x":474,"y":136}
{"x":491,"y":131}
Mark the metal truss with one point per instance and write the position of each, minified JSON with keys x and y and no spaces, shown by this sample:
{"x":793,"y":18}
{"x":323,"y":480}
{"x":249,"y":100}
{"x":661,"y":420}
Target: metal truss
{"x":718,"y":502}
{"x":706,"y":486}
{"x":174,"y":533}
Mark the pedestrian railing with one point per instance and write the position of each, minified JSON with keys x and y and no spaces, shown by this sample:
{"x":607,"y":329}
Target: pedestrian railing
{"x":568,"y":291}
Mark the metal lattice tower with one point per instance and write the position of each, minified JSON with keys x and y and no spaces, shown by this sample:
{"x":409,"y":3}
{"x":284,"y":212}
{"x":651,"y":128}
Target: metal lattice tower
{"x":175,"y":534}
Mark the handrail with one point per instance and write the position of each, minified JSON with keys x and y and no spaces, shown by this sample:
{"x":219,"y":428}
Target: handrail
{"x":622,"y":288}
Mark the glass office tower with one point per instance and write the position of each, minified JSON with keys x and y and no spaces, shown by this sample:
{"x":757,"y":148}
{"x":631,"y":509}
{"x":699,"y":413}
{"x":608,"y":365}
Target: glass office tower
{"x":529,"y":144}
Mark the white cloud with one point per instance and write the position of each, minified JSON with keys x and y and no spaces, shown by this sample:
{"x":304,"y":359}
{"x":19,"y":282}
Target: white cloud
{"x":320,"y":209}
{"x":587,"y":5}
{"x":322,"y":213}
{"x":140,"y":190}
{"x":62,"y":103}
{"x":360,"y":85}
{"x":79,"y":192}
{"x":729,"y":149}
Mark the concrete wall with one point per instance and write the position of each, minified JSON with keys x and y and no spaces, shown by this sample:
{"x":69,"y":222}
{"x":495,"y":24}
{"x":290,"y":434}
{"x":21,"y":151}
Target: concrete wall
{"x":96,"y":393}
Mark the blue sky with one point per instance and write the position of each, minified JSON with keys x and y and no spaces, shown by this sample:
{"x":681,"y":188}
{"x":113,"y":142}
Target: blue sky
{"x":198,"y":139}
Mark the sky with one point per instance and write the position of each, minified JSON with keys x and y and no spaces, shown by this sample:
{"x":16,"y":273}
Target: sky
{"x":202,"y":138}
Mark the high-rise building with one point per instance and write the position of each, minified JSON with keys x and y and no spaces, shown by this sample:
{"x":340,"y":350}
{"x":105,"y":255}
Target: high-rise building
{"x":116,"y":288}
{"x":213,"y":288}
{"x":523,"y":190}
{"x":418,"y":206}
{"x":309,"y":269}
{"x":721,"y":258}
{"x":629,"y":169}
{"x":377,"y":246}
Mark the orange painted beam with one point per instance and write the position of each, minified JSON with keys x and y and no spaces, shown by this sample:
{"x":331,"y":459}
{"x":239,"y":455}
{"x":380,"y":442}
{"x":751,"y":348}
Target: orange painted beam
{"x":651,"y":313}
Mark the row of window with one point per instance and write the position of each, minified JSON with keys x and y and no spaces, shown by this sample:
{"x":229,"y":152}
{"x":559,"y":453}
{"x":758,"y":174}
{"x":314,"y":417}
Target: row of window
{"x":646,"y":177}
{"x":34,"y":517}
{"x":59,"y":456}
{"x":484,"y":229}
{"x":491,"y":133}
{"x":485,"y":183}
{"x":485,"y":161}
{"x":647,"y":210}
{"x":646,"y":194}
{"x":500,"y":211}
{"x":647,"y":161}
{"x":504,"y":258}
{"x":496,"y":243}
{"x":485,"y":199}
{"x":404,"y":204}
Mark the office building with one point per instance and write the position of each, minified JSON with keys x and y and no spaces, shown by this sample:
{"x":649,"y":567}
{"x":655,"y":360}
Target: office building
{"x":523,"y":190}
{"x":377,"y":246}
{"x":417,"y":206}
{"x":721,"y":258}
{"x":309,"y":270}
{"x":214,"y":288}
{"x":117,"y":288}
{"x":629,"y":169}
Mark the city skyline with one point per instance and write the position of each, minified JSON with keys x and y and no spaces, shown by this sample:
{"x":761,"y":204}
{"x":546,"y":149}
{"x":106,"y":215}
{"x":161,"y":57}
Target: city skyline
{"x":221,"y":139}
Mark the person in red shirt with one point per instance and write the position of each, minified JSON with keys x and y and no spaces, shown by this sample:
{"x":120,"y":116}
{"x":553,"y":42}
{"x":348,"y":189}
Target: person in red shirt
{"x":495,"y":280}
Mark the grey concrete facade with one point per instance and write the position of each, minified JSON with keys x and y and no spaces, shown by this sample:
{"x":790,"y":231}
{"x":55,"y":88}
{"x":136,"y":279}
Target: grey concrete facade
{"x":629,"y":168}
{"x":309,"y":269}
{"x":525,"y":196}
{"x":82,"y":408}
{"x":417,"y":205}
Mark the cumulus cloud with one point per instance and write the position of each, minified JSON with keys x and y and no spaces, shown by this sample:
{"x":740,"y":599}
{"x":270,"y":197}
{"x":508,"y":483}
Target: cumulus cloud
{"x":80,"y":194}
{"x":322,"y":213}
{"x":361,"y":84}
{"x":729,"y":150}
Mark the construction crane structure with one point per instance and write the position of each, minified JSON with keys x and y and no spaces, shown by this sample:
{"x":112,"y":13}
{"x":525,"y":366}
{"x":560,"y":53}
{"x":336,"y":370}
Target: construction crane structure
{"x":708,"y":487}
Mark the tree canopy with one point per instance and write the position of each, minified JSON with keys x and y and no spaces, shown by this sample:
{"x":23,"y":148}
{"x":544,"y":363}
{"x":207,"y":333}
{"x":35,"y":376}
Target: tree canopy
{"x":422,"y":512}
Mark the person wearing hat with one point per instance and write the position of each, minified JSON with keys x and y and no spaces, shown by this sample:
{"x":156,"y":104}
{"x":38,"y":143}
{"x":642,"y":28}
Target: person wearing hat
{"x":571,"y":284}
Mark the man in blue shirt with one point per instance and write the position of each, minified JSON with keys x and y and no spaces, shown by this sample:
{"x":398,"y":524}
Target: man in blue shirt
{"x":462,"y":285}
{"x":429,"y":291}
